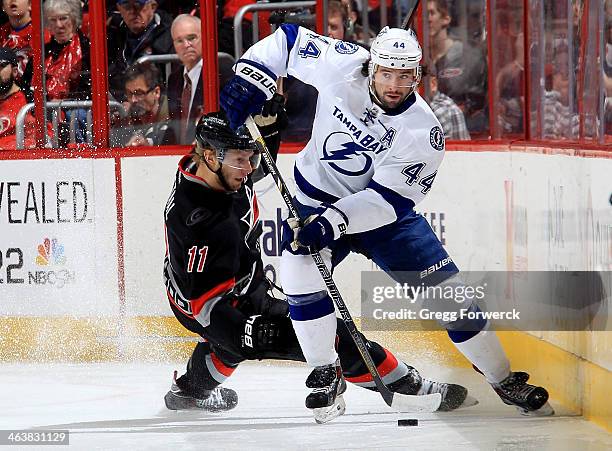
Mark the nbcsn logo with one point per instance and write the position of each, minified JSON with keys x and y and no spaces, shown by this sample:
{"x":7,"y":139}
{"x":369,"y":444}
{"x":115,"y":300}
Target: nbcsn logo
{"x":50,"y":252}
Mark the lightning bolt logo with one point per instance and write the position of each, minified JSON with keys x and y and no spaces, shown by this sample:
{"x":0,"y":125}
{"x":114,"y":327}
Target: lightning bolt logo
{"x":348,"y":149}
{"x":340,"y":147}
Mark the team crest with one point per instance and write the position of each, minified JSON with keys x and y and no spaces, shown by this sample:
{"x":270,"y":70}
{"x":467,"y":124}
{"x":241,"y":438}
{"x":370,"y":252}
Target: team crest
{"x":346,"y":48}
{"x":346,"y":156}
{"x":436,"y":138}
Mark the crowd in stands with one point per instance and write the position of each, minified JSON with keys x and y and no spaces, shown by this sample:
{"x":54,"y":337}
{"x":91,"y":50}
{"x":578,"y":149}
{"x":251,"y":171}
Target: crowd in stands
{"x":158,"y":102}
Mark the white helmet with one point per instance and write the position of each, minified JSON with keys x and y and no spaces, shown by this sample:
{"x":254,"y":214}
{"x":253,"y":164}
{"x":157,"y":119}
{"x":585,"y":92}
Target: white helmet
{"x":395,"y":48}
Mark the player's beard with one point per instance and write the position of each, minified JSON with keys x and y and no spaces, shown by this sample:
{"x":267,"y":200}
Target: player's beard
{"x":6,"y":85}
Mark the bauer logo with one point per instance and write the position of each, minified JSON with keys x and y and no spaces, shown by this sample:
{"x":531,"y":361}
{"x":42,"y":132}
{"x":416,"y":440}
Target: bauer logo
{"x":251,"y":74}
{"x":346,"y":48}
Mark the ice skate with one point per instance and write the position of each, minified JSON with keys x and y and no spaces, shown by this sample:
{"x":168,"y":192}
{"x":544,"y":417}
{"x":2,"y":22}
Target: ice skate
{"x":326,"y":399}
{"x":528,"y":399}
{"x":215,"y":400}
{"x":453,"y":395}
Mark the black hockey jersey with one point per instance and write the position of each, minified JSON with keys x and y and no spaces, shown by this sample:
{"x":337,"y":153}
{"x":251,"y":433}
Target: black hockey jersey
{"x":212,"y":243}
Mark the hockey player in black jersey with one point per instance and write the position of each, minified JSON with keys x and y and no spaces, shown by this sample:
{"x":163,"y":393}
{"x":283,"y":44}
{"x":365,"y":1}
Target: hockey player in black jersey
{"x":215,"y":283}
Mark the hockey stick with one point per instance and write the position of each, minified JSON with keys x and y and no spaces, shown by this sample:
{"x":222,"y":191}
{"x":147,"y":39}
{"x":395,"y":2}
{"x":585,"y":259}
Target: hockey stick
{"x":399,"y":402}
{"x":408,"y":18}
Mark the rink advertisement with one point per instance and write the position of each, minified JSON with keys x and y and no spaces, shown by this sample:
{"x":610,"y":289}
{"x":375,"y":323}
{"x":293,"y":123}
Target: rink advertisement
{"x":493,"y":211}
{"x":57,"y":219}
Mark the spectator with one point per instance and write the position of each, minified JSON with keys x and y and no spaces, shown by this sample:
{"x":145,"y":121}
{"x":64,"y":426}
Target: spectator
{"x":139,"y":29}
{"x":11,"y":98}
{"x":446,"y":110}
{"x":559,"y":121}
{"x":147,"y":122}
{"x":67,"y":62}
{"x":338,"y":21}
{"x":225,"y":21}
{"x":301,"y":98}
{"x":374,"y":13}
{"x":185,"y":94}
{"x":461,"y":69}
{"x":17,"y":32}
{"x":67,"y":54}
{"x":355,"y":23}
{"x":510,"y":86}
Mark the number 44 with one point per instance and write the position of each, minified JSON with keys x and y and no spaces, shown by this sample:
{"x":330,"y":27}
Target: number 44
{"x":413,"y":171}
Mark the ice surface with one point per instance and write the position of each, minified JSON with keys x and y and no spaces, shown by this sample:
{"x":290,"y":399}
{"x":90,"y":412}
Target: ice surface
{"x":114,"y":406}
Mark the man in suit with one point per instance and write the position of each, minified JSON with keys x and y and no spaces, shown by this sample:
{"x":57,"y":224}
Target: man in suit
{"x":138,"y":29}
{"x":185,"y":97}
{"x":185,"y":84}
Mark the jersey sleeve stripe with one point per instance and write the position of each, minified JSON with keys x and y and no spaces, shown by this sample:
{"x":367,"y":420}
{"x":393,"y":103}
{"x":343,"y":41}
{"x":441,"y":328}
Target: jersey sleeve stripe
{"x":312,"y":191}
{"x":259,"y":66}
{"x":400,"y":204}
{"x":198,"y":303}
{"x":291,"y":32}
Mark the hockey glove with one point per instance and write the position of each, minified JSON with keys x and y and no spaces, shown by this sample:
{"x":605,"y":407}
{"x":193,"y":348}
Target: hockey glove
{"x":270,"y":122}
{"x":262,"y":334}
{"x":273,"y":117}
{"x":319,"y":231}
{"x":247,"y":91}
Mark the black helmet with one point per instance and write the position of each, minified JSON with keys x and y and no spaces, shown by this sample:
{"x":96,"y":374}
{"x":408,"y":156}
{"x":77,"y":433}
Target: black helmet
{"x":214,"y":132}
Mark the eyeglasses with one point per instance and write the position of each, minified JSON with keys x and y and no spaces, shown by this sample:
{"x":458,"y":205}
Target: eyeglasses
{"x":138,"y":93}
{"x":190,"y":38}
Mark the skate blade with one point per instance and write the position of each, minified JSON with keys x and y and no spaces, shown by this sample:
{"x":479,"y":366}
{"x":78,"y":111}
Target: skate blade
{"x":416,"y":403}
{"x":326,"y":414}
{"x":545,"y":411}
{"x":469,"y":401}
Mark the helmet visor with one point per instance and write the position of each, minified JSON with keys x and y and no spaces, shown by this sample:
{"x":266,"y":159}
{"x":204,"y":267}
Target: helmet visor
{"x":387,"y":78}
{"x":245,"y":160}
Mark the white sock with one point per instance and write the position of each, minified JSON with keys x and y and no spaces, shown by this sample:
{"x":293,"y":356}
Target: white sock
{"x":317,"y":339}
{"x":485,"y":352}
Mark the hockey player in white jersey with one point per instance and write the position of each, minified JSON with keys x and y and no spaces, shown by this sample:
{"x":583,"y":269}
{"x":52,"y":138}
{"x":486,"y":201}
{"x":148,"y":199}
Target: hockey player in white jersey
{"x":374,"y":153}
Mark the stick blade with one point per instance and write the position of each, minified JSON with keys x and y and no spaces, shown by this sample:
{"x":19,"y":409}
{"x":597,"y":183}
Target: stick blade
{"x":414,"y":404}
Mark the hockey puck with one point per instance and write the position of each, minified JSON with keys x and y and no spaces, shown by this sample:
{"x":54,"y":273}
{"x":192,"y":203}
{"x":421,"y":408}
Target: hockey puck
{"x":408,"y":422}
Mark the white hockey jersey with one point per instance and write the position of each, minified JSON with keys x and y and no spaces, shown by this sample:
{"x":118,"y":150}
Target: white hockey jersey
{"x":373,"y":165}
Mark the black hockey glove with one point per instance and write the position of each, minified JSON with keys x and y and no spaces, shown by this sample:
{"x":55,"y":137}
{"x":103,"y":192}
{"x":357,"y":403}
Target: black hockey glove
{"x":263,"y":334}
{"x":270,"y":122}
{"x":273,"y":117}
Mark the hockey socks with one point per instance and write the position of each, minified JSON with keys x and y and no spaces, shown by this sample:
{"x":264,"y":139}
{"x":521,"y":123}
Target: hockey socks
{"x":484,"y":351}
{"x":389,"y":368}
{"x":314,"y":321}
